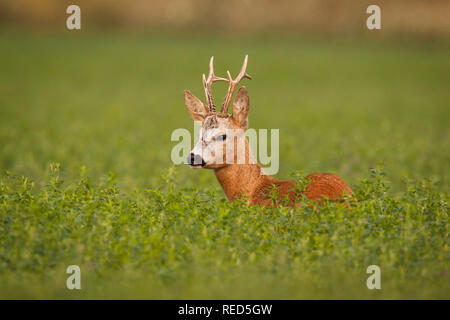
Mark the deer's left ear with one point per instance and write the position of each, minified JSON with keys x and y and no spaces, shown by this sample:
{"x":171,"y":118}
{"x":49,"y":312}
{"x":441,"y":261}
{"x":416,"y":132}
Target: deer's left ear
{"x":241,"y":106}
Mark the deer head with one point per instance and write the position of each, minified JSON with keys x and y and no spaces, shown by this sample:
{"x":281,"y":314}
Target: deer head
{"x":219,"y":130}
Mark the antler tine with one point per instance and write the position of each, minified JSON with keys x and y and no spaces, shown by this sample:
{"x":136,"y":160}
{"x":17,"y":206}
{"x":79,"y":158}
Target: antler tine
{"x":207,"y":83}
{"x":233,"y":83}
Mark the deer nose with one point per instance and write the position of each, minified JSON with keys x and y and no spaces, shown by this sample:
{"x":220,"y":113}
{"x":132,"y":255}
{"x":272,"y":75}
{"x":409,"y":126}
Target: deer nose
{"x":195,"y":160}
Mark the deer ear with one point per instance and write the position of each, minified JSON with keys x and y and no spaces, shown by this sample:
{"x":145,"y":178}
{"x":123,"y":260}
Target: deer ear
{"x":241,"y":106}
{"x":195,"y":106}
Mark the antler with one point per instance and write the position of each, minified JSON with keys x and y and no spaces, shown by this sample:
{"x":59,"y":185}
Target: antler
{"x":207,"y":83}
{"x":233,"y":83}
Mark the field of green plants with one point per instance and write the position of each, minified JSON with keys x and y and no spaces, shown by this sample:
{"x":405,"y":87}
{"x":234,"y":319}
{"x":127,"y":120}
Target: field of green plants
{"x":86,"y":176}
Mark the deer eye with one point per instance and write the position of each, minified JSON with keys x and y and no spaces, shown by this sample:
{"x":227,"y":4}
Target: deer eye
{"x":222,"y":137}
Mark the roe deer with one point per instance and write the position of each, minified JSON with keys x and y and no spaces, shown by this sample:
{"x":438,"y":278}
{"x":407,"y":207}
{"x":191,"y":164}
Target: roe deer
{"x":244,"y":177}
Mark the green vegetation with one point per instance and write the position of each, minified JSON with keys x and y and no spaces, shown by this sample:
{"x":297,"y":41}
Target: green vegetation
{"x":85,"y":124}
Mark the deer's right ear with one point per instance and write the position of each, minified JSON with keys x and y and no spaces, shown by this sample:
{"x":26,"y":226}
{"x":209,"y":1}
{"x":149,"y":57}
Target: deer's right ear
{"x":241,"y":107}
{"x":197,"y":109}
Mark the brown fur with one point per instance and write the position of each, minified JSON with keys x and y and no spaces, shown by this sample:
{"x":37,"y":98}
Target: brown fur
{"x":246,"y":179}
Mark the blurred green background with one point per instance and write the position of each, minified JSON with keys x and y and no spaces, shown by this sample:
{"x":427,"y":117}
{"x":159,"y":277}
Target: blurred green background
{"x":108,"y":96}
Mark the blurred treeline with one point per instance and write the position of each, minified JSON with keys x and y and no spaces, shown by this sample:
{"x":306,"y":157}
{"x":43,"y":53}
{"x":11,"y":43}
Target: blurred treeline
{"x":425,"y":18}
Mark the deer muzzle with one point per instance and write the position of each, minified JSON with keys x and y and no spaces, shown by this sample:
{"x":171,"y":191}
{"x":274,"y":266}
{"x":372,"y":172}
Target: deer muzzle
{"x":195,"y":160}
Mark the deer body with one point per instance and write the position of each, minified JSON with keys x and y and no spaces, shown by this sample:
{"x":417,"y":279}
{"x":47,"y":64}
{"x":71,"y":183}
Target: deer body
{"x":223,"y":148}
{"x":249,"y":180}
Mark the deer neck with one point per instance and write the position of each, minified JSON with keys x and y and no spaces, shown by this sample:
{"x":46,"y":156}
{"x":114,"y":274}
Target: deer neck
{"x":238,"y":179}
